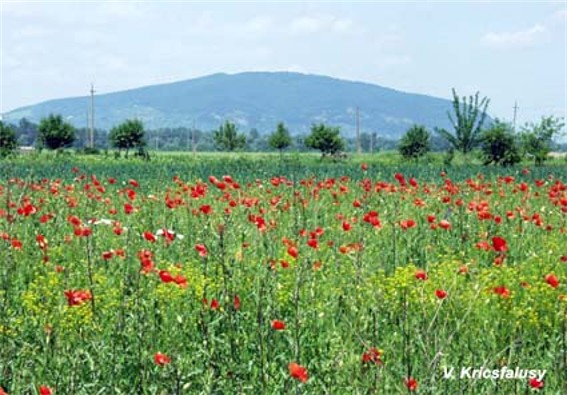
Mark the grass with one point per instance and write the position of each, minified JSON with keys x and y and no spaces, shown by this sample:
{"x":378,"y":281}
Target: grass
{"x":167,"y":277}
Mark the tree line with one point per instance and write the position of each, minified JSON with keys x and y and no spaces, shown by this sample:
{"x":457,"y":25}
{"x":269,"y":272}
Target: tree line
{"x":496,"y":141}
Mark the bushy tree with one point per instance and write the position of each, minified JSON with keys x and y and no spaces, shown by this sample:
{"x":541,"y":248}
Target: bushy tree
{"x":26,"y":132}
{"x":280,"y":139}
{"x":8,"y":141}
{"x":537,"y":138}
{"x":415,"y":143}
{"x":326,"y":139}
{"x":54,"y":133}
{"x":469,"y":116}
{"x":128,"y":135}
{"x":499,"y":145}
{"x":226,"y":137}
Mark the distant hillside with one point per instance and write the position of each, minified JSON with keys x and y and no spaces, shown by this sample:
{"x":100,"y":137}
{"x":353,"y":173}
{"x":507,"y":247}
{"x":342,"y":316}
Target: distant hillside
{"x":254,"y":100}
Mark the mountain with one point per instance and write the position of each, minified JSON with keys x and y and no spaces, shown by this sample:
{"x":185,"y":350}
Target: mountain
{"x":254,"y":100}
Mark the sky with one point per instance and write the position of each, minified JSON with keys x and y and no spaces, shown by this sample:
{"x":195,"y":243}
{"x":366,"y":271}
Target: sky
{"x":509,"y":51}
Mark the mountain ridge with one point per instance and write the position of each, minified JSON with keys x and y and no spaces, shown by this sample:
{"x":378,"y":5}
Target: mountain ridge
{"x":254,"y":100}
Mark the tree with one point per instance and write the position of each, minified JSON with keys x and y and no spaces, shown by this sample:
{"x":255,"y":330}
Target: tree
{"x":499,"y":145}
{"x":537,"y":138}
{"x":415,"y":143}
{"x":54,"y":133}
{"x":128,"y":135}
{"x":326,"y":139}
{"x":8,"y":141}
{"x":26,"y":132}
{"x":468,"y":119}
{"x":226,"y":138}
{"x":280,"y":139}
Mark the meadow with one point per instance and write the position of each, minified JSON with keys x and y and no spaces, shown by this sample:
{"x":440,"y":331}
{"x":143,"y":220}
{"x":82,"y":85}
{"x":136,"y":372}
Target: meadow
{"x":265,"y":275}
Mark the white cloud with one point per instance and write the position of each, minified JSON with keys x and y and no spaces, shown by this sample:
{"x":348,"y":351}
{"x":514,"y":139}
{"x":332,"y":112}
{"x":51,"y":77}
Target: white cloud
{"x":520,"y":39}
{"x":559,"y":17}
{"x":259,"y":24}
{"x":535,"y":35}
{"x":32,"y":32}
{"x":121,"y":9}
{"x":322,"y":23}
{"x":17,"y":9}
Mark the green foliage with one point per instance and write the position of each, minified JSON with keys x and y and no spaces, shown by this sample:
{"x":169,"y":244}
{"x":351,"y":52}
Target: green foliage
{"x":467,"y":121}
{"x":499,"y":145}
{"x":128,"y":135}
{"x":334,"y":297}
{"x":226,"y":138}
{"x":537,"y":138}
{"x":280,"y":139}
{"x":326,"y":139}
{"x":8,"y":141}
{"x":449,"y":157}
{"x":415,"y":143}
{"x":54,"y":133}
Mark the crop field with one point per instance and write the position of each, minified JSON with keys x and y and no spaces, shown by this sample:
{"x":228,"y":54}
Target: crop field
{"x":269,"y":276}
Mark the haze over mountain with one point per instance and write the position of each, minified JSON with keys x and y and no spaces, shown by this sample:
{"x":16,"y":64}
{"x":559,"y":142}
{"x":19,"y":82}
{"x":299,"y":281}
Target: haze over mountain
{"x":254,"y":100}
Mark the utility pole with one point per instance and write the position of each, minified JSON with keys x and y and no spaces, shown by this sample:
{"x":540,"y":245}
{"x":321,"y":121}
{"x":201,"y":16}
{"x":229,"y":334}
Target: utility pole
{"x":193,"y":138}
{"x":92,"y":116}
{"x":515,"y":113}
{"x":87,"y":129}
{"x":358,"y":147}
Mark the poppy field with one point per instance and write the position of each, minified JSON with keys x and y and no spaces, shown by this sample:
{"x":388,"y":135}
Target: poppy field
{"x":356,"y":280}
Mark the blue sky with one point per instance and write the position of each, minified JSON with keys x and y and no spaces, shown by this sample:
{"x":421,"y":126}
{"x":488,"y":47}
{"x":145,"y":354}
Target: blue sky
{"x":508,"y":50}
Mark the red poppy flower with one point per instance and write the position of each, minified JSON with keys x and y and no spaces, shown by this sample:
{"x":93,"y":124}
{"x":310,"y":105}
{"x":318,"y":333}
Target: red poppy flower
{"x":180,"y":280}
{"x":441,"y":294}
{"x":161,"y":359}
{"x":149,"y":236}
{"x":206,"y":209}
{"x":552,"y":280}
{"x":400,"y":178}
{"x":411,"y":384}
{"x":535,"y":383}
{"x":278,"y":325}
{"x":236,"y":302}
{"x":444,"y":224}
{"x":298,"y":372}
{"x":292,"y":251}
{"x":502,"y":291}
{"x":499,"y":244}
{"x":202,"y":250}
{"x":45,"y":390}
{"x":372,"y":355}
{"x":16,"y":244}
{"x":165,"y":276}
{"x":364,"y":166}
{"x":77,"y":297}
{"x":106,"y":255}
{"x":407,"y":224}
{"x":313,"y":243}
{"x":215,"y":304}
{"x":421,"y":275}
{"x":128,"y":208}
